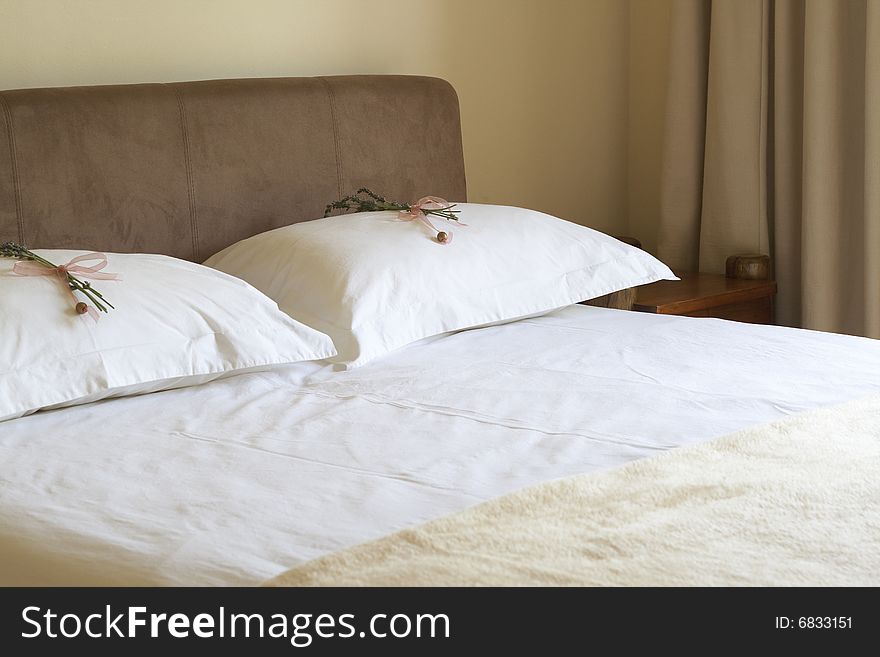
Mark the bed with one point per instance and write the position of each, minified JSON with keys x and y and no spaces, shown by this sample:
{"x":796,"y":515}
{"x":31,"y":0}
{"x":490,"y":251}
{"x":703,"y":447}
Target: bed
{"x":235,"y":481}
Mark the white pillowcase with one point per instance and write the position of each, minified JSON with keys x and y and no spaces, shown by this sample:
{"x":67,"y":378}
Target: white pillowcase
{"x":176,"y":324}
{"x":375,"y":283}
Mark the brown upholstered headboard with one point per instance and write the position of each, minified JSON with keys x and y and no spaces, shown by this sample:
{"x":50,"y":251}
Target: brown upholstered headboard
{"x":187,"y":169}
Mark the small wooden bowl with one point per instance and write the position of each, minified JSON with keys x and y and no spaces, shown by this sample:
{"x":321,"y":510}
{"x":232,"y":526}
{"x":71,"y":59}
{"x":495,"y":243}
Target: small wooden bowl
{"x":749,"y":266}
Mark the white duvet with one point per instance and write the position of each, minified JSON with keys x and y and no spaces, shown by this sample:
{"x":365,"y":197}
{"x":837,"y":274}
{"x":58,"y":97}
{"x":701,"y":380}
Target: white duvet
{"x":237,"y":480}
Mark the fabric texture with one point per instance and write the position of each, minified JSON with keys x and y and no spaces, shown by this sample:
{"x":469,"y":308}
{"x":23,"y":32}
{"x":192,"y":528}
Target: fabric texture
{"x":237,"y":480}
{"x":772,"y":145}
{"x":795,"y":503}
{"x":374,"y":283}
{"x":187,"y":169}
{"x":175,"y":324}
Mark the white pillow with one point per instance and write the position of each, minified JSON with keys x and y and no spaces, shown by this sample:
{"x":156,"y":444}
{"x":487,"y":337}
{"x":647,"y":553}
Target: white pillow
{"x":375,"y":283}
{"x":175,"y":324}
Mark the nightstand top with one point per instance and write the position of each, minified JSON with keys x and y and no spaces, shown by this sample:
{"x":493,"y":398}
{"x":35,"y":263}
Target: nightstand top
{"x":697,"y":291}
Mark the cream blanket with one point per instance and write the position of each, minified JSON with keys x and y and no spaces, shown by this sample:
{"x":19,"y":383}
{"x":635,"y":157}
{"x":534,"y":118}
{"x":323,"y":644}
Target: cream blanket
{"x":796,"y":502}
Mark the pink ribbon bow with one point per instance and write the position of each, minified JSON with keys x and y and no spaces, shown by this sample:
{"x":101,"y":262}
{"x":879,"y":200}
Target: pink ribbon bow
{"x":31,"y":268}
{"x":417,"y":211}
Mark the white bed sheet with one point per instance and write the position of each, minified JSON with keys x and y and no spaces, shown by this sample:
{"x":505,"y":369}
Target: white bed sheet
{"x":234,"y":481}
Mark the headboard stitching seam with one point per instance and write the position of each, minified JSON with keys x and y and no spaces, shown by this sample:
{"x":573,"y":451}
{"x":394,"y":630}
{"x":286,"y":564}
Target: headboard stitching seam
{"x":16,"y":179}
{"x":191,"y":189}
{"x":334,"y":120}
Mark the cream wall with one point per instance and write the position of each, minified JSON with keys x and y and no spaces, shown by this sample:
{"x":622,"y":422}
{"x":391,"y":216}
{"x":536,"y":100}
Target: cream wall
{"x":544,"y":85}
{"x":648,"y":57}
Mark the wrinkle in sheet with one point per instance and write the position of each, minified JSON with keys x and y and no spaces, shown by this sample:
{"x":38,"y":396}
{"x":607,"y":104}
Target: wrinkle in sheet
{"x":311,"y":461}
{"x":505,"y":423}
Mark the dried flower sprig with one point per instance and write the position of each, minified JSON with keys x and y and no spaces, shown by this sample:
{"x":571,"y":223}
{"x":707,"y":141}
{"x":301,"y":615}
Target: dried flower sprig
{"x":365,"y":200}
{"x":63,"y":272}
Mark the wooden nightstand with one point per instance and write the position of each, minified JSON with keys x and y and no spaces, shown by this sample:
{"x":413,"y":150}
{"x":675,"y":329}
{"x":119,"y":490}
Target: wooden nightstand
{"x":709,"y":295}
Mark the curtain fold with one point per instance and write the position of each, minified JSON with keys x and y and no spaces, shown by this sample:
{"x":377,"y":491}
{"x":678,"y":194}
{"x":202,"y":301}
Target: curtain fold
{"x":684,"y":135}
{"x":772,"y":145}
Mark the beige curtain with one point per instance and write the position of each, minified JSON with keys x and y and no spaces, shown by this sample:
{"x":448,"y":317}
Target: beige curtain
{"x":772,"y":145}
